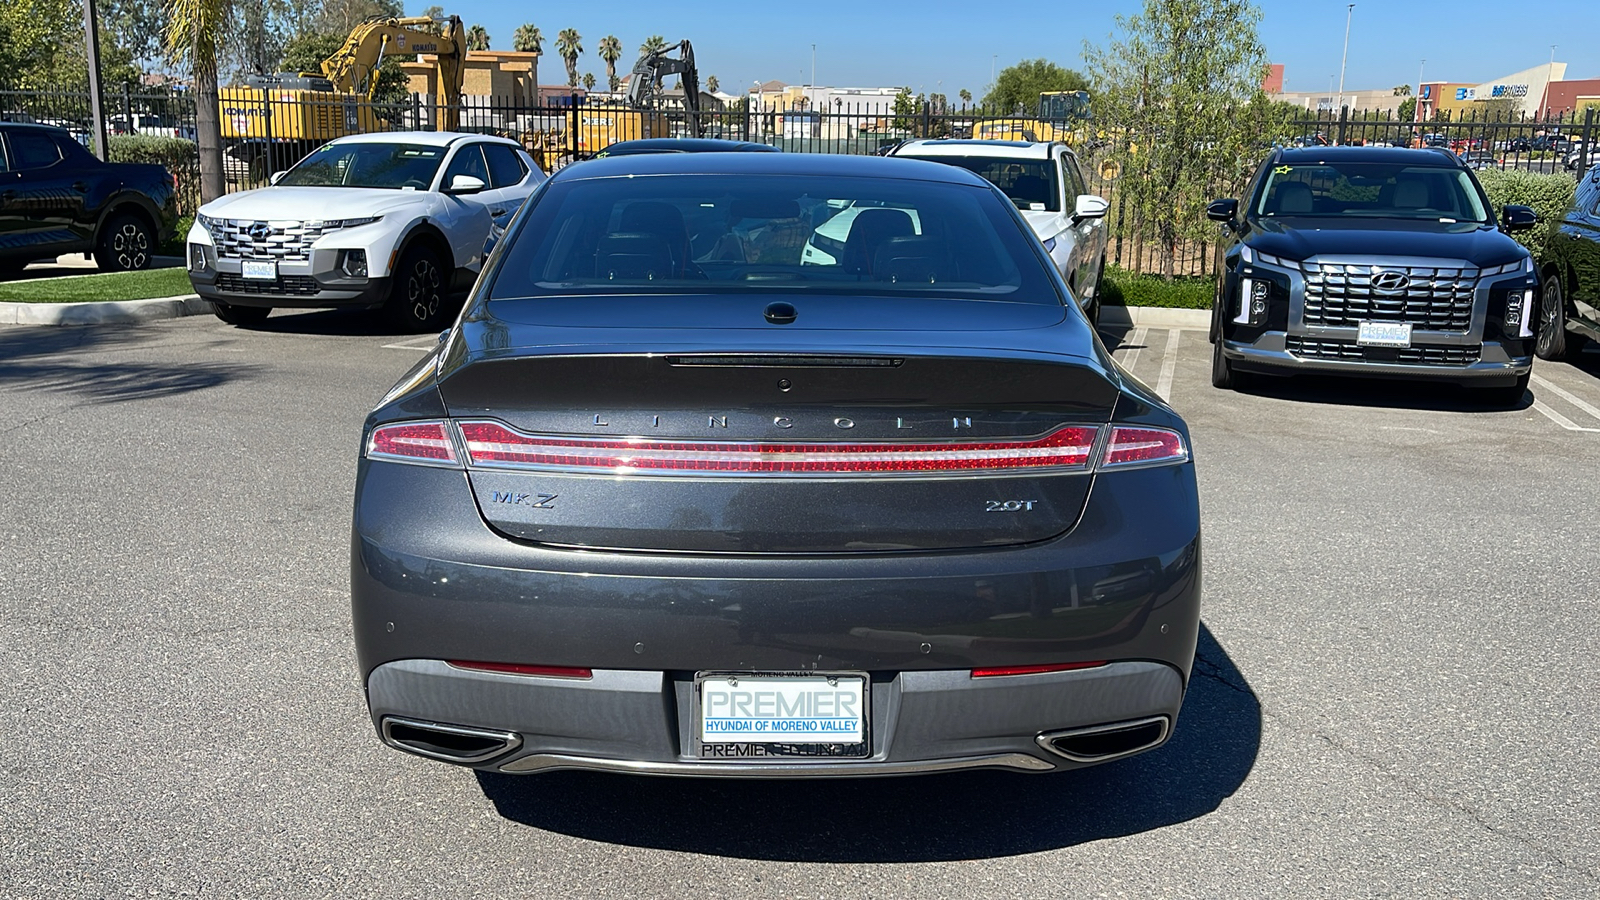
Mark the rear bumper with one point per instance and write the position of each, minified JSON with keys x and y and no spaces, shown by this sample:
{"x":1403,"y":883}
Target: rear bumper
{"x":1495,"y":365}
{"x":638,"y":722}
{"x":430,"y":581}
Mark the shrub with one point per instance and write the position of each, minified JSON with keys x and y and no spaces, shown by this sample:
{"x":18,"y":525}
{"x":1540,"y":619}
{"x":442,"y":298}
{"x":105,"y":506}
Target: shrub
{"x":1549,"y":195}
{"x":179,"y":155}
{"x":1120,"y":287}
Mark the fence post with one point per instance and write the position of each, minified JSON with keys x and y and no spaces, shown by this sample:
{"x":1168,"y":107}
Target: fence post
{"x":927,"y":111}
{"x":572,"y":150}
{"x":1344,"y":126}
{"x":127,"y":109}
{"x":1587,"y":141}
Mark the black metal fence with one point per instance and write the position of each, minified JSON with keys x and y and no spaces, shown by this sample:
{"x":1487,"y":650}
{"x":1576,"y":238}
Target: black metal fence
{"x":268,"y":129}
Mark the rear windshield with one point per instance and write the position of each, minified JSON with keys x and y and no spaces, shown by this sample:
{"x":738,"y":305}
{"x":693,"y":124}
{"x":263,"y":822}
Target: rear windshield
{"x":1372,"y":190}
{"x":780,"y":234}
{"x":1030,"y":183}
{"x":359,"y":164}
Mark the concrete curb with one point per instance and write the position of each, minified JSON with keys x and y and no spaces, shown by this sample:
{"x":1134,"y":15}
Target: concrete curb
{"x":1155,"y":316}
{"x":109,"y":312}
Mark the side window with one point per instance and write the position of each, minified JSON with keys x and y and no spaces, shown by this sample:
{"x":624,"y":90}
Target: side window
{"x":467,"y":161}
{"x":1072,"y":177}
{"x":32,"y":150}
{"x":505,"y":165}
{"x":3,"y":166}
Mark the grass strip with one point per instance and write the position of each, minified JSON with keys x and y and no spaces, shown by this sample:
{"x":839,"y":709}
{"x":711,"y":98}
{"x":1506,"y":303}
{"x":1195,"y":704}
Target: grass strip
{"x":142,"y":285}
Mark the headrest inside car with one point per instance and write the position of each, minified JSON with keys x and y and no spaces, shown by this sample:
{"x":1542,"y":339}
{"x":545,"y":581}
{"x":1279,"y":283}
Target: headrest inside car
{"x":766,"y":208}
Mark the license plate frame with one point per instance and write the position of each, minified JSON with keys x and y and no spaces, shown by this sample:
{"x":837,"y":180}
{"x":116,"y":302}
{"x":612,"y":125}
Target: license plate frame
{"x":258,"y":270}
{"x":772,"y":745}
{"x":1384,"y":334}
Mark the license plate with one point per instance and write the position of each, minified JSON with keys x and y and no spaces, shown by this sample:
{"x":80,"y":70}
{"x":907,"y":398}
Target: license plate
{"x":258,"y":271}
{"x":753,"y":716}
{"x":1384,"y":334}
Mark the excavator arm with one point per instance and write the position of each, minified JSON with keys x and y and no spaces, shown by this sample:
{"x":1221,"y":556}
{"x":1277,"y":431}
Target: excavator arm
{"x":643,"y":88}
{"x":354,"y":68}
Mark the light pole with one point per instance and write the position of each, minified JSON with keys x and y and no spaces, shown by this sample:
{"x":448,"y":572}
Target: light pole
{"x":1416,"y":108}
{"x":1348,"y":12}
{"x":991,"y":68}
{"x":813,"y":65}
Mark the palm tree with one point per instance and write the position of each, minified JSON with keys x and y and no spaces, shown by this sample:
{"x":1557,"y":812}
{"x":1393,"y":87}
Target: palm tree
{"x":528,"y":39}
{"x":610,"y":52}
{"x":712,"y":84}
{"x":1402,"y":90}
{"x":588,"y":81}
{"x":477,"y":38}
{"x":193,"y":30}
{"x":569,"y":43}
{"x":966,"y":96}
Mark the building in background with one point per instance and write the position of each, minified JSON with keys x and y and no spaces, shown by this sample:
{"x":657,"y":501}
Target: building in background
{"x":1517,"y":93}
{"x":1566,"y":97}
{"x":490,"y":79}
{"x":1273,"y":82}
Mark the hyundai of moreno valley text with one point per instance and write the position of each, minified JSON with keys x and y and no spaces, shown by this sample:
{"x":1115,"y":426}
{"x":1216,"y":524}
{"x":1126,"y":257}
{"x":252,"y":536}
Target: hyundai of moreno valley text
{"x":698,"y":485}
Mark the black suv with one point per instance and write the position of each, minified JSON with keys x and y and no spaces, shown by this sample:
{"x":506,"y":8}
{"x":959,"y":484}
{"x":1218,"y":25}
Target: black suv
{"x":1373,"y":261}
{"x":1569,"y":314}
{"x":56,"y":197}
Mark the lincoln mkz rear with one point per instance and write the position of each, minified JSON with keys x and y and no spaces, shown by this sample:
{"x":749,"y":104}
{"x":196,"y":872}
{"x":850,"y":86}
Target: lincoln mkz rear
{"x":773,"y":465}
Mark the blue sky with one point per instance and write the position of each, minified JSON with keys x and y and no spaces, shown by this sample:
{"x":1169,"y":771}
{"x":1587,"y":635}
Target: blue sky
{"x":945,"y":46}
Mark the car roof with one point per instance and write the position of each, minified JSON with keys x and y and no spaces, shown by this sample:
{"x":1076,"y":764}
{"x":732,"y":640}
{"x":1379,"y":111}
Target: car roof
{"x":1309,"y":156}
{"x":825,"y":164}
{"x":425,"y":138}
{"x":974,"y":147}
{"x":686,"y":145}
{"x":33,"y":126}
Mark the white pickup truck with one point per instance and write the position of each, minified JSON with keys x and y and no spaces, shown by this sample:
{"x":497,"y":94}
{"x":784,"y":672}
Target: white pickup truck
{"x":1044,"y":182}
{"x":391,"y":221}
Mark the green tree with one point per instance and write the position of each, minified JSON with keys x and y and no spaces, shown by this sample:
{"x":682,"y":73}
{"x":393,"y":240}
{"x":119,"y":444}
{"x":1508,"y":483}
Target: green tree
{"x":1402,"y":90}
{"x":1408,"y":110}
{"x":655,"y":43}
{"x":528,"y":39}
{"x":193,"y":29}
{"x":905,"y":110}
{"x":477,"y":38}
{"x":306,"y":53}
{"x":341,"y":16}
{"x":254,"y":45}
{"x":569,"y":43}
{"x":1178,"y":83}
{"x":588,"y":81}
{"x":712,"y":84}
{"x":432,"y":12}
{"x":966,"y":97}
{"x":610,"y":51}
{"x":1017,"y":88}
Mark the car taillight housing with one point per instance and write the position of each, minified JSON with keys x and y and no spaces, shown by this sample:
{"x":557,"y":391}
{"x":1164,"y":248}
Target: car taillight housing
{"x":487,"y":444}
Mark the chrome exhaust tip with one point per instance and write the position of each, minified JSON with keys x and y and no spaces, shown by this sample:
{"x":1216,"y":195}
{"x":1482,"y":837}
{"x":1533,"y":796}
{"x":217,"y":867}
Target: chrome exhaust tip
{"x":452,"y":743}
{"x":1103,"y":743}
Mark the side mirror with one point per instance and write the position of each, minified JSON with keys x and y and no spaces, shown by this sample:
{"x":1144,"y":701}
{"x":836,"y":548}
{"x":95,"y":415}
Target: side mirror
{"x":1222,"y":210}
{"x":275,"y":177}
{"x":1518,"y":218}
{"x":1090,"y":206}
{"x":466,"y":184}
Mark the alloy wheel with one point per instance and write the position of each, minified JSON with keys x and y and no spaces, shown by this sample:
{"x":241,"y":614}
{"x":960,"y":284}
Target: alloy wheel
{"x":422,"y":290}
{"x":131,"y":245}
{"x":1552,"y":320}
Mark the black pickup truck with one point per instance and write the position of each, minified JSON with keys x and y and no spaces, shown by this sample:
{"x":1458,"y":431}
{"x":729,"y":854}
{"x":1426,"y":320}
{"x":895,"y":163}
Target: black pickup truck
{"x":56,"y":197}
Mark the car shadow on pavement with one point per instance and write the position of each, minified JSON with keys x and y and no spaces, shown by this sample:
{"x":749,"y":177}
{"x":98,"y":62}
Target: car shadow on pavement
{"x":974,"y":815}
{"x":332,"y":322}
{"x":48,"y":359}
{"x":1380,"y":393}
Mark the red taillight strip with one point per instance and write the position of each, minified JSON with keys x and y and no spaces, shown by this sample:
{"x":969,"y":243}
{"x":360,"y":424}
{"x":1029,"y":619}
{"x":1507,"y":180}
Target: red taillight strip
{"x":492,"y":444}
{"x":523,"y":669}
{"x":1143,"y":446}
{"x":1001,"y":671}
{"x":427,"y":443}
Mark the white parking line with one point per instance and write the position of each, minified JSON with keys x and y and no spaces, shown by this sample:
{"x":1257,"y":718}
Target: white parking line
{"x":427,"y":344}
{"x":1169,"y":364}
{"x":1561,"y":420}
{"x":1136,"y":340}
{"x":1568,"y":396}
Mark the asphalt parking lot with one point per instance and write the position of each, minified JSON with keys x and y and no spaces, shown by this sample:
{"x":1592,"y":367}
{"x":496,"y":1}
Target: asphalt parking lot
{"x":1392,"y":698}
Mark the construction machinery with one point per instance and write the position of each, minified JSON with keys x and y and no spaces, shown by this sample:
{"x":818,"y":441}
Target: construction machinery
{"x":639,"y":114}
{"x":271,"y":121}
{"x":1061,"y":117}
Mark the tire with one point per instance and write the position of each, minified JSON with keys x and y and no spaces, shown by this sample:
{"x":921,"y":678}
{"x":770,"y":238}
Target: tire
{"x":1553,"y":341}
{"x":11,"y":268}
{"x":1223,"y":375}
{"x":417,"y":301}
{"x":1507,"y":397}
{"x":243,"y":316}
{"x":124,"y":244}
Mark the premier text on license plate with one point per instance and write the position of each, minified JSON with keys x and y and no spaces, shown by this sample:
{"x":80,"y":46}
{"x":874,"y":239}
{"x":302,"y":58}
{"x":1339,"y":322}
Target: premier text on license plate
{"x":759,"y":709}
{"x":1384,"y":334}
{"x":259,"y":271}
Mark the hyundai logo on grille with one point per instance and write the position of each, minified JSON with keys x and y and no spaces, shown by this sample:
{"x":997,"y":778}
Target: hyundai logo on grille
{"x":260,"y":231}
{"x":1388,"y":281}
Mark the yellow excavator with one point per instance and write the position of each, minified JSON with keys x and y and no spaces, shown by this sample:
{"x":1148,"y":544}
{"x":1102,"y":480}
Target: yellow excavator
{"x":271,"y":121}
{"x":641,"y":113}
{"x":1061,"y":117}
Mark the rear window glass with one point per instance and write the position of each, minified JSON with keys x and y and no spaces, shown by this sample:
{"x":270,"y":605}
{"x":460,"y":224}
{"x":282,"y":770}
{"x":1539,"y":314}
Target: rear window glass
{"x":692,"y":233}
{"x":1030,"y":183}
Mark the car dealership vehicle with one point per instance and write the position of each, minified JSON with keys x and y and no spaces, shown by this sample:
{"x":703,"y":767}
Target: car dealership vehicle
{"x":396,"y":221}
{"x":670,"y":500}
{"x":1569,"y":308}
{"x":1044,"y":181}
{"x":56,"y":198}
{"x":1376,"y":262}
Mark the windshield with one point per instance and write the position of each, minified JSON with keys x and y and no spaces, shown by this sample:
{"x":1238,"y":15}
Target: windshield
{"x":1372,"y":190}
{"x":700,"y":234}
{"x":357,"y":164}
{"x":1030,"y":183}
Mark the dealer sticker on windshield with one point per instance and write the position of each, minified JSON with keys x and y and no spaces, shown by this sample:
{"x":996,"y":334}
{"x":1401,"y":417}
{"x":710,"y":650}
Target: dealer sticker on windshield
{"x":1384,"y":334}
{"x":782,"y":715}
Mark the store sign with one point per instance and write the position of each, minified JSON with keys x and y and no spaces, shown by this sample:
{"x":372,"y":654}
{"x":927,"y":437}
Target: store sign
{"x":1466,"y":93}
{"x":1508,"y":90}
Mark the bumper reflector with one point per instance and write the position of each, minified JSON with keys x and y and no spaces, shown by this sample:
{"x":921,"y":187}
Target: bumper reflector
{"x":520,"y":669}
{"x":999,"y":671}
{"x":492,"y":444}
